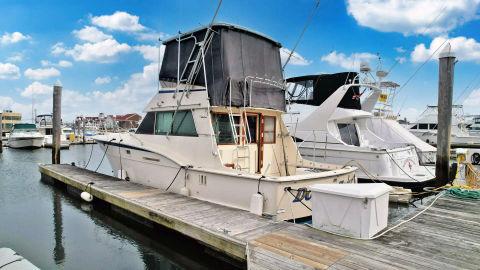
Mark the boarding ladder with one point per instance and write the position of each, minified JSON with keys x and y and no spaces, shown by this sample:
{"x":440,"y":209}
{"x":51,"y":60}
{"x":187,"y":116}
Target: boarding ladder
{"x":241,"y":153}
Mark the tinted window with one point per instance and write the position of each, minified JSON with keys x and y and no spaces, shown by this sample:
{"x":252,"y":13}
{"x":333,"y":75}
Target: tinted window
{"x":433,"y":126}
{"x":223,"y":129}
{"x":348,"y":133}
{"x":146,"y":127}
{"x":414,"y":127}
{"x":252,"y":128}
{"x":423,"y":126}
{"x":181,"y":125}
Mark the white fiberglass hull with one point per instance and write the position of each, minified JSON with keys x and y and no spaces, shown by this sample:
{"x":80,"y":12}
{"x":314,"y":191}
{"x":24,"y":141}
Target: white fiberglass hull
{"x":229,"y":188}
{"x":396,"y":167}
{"x":48,"y":141}
{"x":466,"y":141}
{"x":25,"y":142}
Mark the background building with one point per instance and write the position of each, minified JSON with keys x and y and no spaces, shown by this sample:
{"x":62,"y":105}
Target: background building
{"x":9,"y":118}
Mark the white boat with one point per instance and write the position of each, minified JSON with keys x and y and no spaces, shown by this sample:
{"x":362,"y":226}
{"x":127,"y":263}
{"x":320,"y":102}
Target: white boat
{"x":473,"y":126}
{"x":217,"y":134}
{"x":385,"y":123}
{"x":45,"y":127}
{"x":425,"y":128}
{"x":25,"y":136}
{"x":325,"y":117}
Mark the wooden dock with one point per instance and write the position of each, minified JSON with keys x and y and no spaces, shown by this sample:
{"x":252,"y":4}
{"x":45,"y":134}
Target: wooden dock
{"x":446,"y":236}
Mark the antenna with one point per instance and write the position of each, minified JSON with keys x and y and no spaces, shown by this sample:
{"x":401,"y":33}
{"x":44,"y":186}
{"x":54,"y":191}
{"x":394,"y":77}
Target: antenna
{"x":307,"y":23}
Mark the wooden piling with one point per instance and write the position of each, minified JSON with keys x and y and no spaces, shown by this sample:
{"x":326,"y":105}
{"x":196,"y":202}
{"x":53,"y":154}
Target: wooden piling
{"x":445,"y":92}
{"x":57,"y":123}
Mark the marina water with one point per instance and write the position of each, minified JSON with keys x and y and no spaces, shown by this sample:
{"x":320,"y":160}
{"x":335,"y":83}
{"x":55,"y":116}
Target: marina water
{"x":55,"y":230}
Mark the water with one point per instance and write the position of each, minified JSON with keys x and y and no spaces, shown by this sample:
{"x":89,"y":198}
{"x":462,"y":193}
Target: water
{"x":54,"y":230}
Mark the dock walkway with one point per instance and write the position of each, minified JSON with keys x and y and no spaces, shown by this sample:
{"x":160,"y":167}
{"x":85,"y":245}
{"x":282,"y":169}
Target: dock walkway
{"x":446,"y":236}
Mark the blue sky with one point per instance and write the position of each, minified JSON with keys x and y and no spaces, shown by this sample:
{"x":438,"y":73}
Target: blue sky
{"x":105,"y":53}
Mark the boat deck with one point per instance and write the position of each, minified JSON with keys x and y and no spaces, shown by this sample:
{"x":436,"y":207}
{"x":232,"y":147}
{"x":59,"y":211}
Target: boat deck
{"x":446,"y":236}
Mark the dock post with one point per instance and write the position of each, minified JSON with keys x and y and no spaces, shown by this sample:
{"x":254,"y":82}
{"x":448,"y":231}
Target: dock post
{"x":1,"y":133}
{"x":445,"y":92}
{"x":57,"y":123}
{"x":83,"y":130}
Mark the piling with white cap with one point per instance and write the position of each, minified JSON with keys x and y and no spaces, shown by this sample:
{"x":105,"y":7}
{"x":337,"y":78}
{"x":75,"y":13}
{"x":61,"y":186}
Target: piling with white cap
{"x":445,"y":92}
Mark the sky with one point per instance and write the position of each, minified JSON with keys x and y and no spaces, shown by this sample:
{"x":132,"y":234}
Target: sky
{"x":106,"y":54}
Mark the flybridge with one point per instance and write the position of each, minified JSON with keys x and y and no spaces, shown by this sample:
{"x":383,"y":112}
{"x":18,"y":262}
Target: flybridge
{"x":315,"y":89}
{"x":239,"y":67}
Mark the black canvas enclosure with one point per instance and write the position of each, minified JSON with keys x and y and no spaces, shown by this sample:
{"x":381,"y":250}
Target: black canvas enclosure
{"x":245,"y":62}
{"x":324,"y":85}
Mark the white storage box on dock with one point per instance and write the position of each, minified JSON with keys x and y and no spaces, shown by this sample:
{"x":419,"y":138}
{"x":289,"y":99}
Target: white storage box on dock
{"x":358,"y":210}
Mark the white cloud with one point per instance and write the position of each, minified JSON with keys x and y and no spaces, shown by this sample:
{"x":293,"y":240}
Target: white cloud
{"x":9,"y":71}
{"x":410,"y":113}
{"x":105,"y":51}
{"x":465,"y":49}
{"x":103,"y":80}
{"x":61,"y":63}
{"x":120,"y":21}
{"x":91,"y":34}
{"x":41,"y":73}
{"x":150,"y":53}
{"x":401,"y":59}
{"x":135,"y":92}
{"x":150,"y":36}
{"x":351,"y":62}
{"x":295,"y":60}
{"x":10,"y":38}
{"x":15,"y":57}
{"x":9,"y":103}
{"x":58,"y":48}
{"x":36,"y":89}
{"x":412,"y":16}
{"x":400,"y":49}
{"x":64,"y":63}
{"x":473,"y":100}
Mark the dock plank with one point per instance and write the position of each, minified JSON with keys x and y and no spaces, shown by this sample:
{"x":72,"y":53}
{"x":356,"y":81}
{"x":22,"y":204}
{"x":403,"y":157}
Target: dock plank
{"x":446,"y":236}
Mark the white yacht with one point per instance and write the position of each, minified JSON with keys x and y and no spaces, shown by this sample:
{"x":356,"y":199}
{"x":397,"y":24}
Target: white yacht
{"x":25,"y":136}
{"x":325,"y":117}
{"x":473,"y":126}
{"x":425,"y":128}
{"x":215,"y":131}
{"x":385,"y":123}
{"x":45,"y":127}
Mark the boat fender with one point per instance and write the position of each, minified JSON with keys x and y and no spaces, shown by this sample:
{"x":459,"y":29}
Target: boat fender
{"x":185,"y":191}
{"x":256,"y":204}
{"x":86,"y":196}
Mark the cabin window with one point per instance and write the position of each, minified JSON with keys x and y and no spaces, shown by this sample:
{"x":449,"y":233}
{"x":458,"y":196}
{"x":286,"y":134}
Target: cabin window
{"x":181,"y":125}
{"x":269,"y":129}
{"x":348,"y":133}
{"x":432,"y":126}
{"x":422,"y":126}
{"x":146,"y":127}
{"x":223,"y":128}
{"x":252,"y":128}
{"x":302,"y":90}
{"x":414,"y":127}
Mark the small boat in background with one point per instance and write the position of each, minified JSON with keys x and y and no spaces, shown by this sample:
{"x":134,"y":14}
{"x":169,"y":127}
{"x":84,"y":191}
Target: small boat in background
{"x":425,"y":128}
{"x":25,"y":136}
{"x":45,"y":127}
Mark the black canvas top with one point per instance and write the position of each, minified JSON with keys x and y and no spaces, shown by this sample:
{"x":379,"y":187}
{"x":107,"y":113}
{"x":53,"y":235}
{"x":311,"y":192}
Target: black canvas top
{"x":234,"y":56}
{"x":324,"y":85}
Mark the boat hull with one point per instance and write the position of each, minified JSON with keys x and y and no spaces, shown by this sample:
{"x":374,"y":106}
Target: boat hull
{"x":398,"y":167}
{"x":230,"y":188}
{"x":25,"y":143}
